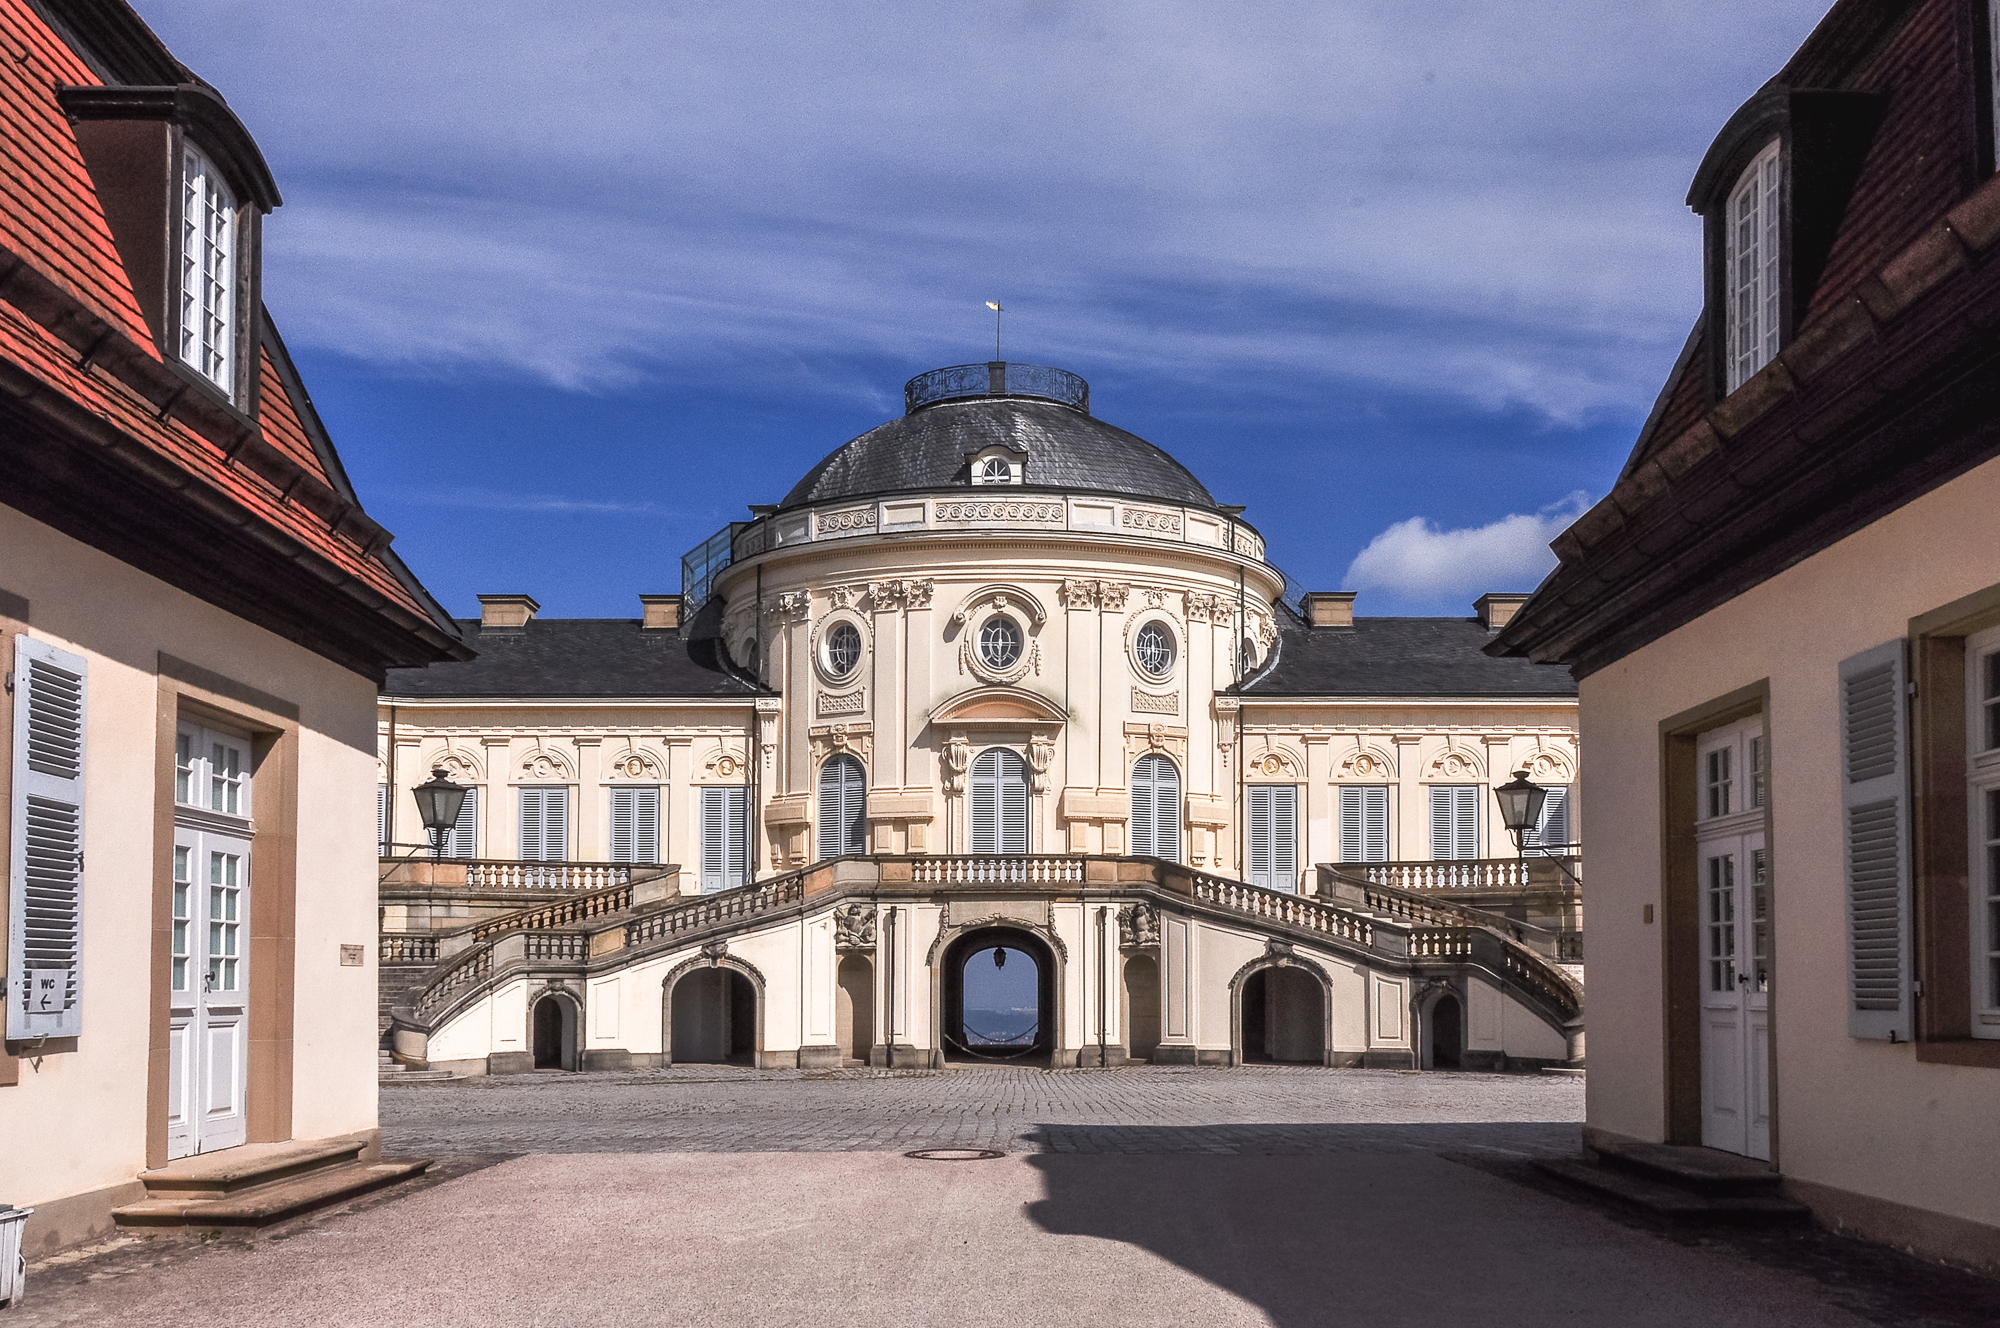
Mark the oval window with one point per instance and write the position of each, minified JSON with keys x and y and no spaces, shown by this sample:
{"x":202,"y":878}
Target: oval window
{"x":999,"y":643}
{"x":1154,"y":647}
{"x":843,"y":649}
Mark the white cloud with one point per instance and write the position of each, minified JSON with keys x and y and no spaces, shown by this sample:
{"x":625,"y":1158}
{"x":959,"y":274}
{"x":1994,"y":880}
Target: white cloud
{"x":493,"y":500}
{"x":1417,"y":561}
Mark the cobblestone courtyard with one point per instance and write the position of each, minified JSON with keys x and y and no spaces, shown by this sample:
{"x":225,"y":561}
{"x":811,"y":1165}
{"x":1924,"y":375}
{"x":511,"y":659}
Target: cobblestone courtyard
{"x":722,"y":1109}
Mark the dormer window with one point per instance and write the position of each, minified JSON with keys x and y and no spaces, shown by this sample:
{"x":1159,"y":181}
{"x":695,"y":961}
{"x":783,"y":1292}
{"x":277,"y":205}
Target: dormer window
{"x":208,"y":271}
{"x":995,"y":470}
{"x":997,"y":465}
{"x":1751,"y":269}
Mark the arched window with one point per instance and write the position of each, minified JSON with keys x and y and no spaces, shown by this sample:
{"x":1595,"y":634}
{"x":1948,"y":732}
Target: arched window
{"x":999,"y":802}
{"x":843,"y":807}
{"x":1750,"y":267}
{"x":1156,"y":809}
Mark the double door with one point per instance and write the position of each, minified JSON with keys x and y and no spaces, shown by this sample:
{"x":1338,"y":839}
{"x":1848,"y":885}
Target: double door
{"x":209,"y":981}
{"x":1736,"y":993}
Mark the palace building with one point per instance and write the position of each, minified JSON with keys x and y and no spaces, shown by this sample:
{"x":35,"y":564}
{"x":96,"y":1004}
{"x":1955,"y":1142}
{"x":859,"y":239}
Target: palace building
{"x":996,"y":673}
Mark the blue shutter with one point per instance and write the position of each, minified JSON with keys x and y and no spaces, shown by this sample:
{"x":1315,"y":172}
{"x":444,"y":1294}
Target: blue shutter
{"x":1156,"y":808}
{"x":1364,"y":823}
{"x":531,"y":824}
{"x":1274,"y":811}
{"x":1441,"y":822}
{"x":714,"y":838}
{"x":1466,"y":811}
{"x":737,"y":869}
{"x":381,"y":820}
{"x":45,"y":850}
{"x":622,"y":811}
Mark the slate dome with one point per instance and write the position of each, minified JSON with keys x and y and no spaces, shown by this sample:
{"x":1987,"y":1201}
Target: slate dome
{"x":955,"y":413}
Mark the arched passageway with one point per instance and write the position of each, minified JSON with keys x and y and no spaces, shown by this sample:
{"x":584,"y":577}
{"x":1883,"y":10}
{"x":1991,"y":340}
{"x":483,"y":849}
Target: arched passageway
{"x":1284,"y":1017}
{"x":999,"y":997}
{"x":854,"y":1009}
{"x":1447,"y":1033}
{"x":554,"y":1034}
{"x":1142,"y":1007}
{"x":712,"y":1019}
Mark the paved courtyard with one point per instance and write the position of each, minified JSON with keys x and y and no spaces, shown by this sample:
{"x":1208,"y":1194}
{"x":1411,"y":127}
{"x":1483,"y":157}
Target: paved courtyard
{"x":1140,"y":1196}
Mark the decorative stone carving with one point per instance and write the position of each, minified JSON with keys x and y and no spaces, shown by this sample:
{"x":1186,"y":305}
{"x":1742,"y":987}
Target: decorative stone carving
{"x":1002,"y":511}
{"x":725,"y":764}
{"x":845,"y":597}
{"x":1204,"y":607}
{"x":1367,"y":763}
{"x":854,"y":927}
{"x":1456,"y":763}
{"x":461,"y":766}
{"x":634,"y":764}
{"x":1165,"y":703}
{"x":1138,"y":927}
{"x":1274,"y":762}
{"x":957,"y":760}
{"x":1166,"y":523}
{"x":1079,"y":594}
{"x":1549,"y":767}
{"x":1041,"y":751}
{"x":831,"y":739}
{"x":1155,"y":598}
{"x":792,"y":606}
{"x":853,"y":518}
{"x":715,"y":951}
{"x":844,"y":703}
{"x":545,"y":766}
{"x":1111,"y":595}
{"x":917,"y":594}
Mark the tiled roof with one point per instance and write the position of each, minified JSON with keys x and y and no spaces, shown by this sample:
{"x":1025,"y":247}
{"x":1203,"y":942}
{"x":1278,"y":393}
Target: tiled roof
{"x":581,"y":657}
{"x":1402,"y":657}
{"x":1066,"y":449}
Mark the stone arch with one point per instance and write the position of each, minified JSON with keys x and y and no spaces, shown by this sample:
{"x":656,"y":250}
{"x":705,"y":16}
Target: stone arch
{"x":950,"y":932}
{"x":1425,"y":1023}
{"x":713,"y":957}
{"x":543,"y":766}
{"x":456,"y":762}
{"x":949,"y":976}
{"x":1367,"y":761}
{"x":636,"y":764}
{"x":555,"y":1028}
{"x":1281,"y":762}
{"x":1548,"y":765}
{"x":1456,"y":763}
{"x":1280,"y":958}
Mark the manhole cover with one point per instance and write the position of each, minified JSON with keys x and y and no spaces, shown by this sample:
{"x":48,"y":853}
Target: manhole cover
{"x":955,"y":1154}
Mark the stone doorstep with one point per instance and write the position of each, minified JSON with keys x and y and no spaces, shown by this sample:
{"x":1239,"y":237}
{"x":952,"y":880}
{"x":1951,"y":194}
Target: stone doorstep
{"x":1671,"y":1201}
{"x":400,"y":1075}
{"x":1708,"y":1171}
{"x":272,"y":1201}
{"x":220,"y":1174}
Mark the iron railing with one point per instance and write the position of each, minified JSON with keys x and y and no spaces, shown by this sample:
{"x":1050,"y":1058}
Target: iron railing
{"x":996,"y":378}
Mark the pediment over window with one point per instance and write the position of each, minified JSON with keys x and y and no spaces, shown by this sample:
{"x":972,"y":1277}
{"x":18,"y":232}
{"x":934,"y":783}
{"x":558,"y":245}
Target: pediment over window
{"x":998,"y":705}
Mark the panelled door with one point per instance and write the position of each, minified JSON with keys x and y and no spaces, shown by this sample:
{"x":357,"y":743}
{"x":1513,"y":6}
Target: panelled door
{"x":208,"y":1032}
{"x":1735,"y":901}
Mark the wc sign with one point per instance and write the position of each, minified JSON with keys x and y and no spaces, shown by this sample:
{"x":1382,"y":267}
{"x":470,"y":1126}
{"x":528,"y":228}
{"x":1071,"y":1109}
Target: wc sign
{"x":43,"y":1004}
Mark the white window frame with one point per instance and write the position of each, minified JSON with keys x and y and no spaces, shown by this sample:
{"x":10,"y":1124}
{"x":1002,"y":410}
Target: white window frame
{"x":1751,"y":274}
{"x":1982,"y":745}
{"x":997,"y":467}
{"x":205,"y":782}
{"x":209,"y":253}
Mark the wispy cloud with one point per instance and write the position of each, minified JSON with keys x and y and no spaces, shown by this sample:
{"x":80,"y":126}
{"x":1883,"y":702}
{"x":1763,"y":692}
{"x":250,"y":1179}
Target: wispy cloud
{"x":494,"y":500}
{"x":1417,"y":561}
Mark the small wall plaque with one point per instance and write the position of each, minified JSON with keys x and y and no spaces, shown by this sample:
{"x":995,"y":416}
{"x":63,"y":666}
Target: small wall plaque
{"x":350,"y":956}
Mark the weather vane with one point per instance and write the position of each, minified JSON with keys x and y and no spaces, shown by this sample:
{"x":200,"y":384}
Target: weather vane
{"x":994,"y":305}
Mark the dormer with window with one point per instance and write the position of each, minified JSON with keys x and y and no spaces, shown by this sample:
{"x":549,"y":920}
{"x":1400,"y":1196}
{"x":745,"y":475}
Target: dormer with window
{"x":997,"y":465}
{"x":1773,"y":189}
{"x":184,"y":189}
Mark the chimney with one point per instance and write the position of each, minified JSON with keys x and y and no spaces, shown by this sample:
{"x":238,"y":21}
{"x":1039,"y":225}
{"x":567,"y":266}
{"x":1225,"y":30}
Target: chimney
{"x":1330,"y":608}
{"x":1496,"y":610}
{"x":506,"y":610}
{"x":658,"y":612}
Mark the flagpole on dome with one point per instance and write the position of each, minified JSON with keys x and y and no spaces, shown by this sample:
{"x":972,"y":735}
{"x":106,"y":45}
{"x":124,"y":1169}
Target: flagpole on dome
{"x":994,"y":305}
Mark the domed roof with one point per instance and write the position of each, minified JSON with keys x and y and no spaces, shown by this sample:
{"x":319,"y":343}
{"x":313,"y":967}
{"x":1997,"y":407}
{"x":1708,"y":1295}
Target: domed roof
{"x":930,"y":448}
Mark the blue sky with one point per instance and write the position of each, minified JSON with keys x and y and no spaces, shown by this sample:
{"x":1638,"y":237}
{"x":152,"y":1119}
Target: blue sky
{"x":572,"y":286}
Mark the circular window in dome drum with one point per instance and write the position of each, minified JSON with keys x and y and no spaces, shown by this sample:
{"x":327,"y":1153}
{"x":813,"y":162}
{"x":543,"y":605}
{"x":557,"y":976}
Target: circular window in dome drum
{"x":999,"y":643}
{"x":1154,"y":647}
{"x":843,"y":649}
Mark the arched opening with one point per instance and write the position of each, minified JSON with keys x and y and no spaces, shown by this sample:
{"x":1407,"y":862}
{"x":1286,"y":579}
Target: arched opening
{"x":1284,"y":1018}
{"x":999,"y":802}
{"x":999,"y":997}
{"x":1156,"y":808}
{"x":712,"y":1019}
{"x":1447,"y":1029}
{"x":1142,"y":1007}
{"x":843,"y":808}
{"x":554,"y":1034}
{"x":854,"y":1009}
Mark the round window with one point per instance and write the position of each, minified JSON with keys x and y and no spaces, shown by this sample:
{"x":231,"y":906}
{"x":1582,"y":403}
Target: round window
{"x":999,"y":643}
{"x":843,"y":649}
{"x":1154,"y":647}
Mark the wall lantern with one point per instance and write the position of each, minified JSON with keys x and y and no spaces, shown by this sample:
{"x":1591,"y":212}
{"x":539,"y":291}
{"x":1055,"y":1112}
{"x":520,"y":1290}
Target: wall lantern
{"x":1520,"y":805}
{"x":438,"y":804}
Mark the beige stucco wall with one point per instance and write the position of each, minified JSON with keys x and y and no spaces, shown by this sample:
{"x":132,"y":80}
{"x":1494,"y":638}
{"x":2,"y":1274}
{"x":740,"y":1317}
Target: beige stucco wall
{"x":86,"y":1110}
{"x":1863,"y":1116}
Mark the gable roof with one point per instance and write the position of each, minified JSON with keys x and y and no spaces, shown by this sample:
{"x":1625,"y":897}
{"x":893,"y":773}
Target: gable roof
{"x":1427,"y":657}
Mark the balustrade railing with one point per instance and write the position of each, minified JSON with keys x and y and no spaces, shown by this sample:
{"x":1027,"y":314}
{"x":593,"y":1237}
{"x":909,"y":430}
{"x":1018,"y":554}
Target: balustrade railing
{"x":1032,"y":869}
{"x":742,"y":902}
{"x":508,"y":874}
{"x":1496,"y":874}
{"x":1442,"y":943}
{"x":408,"y":949}
{"x":562,"y":913}
{"x":476,"y":965}
{"x":556,"y":947}
{"x":1277,"y":906}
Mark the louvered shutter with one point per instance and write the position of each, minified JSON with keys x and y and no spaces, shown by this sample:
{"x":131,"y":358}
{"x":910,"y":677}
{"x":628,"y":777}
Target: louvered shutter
{"x":1364,"y":823}
{"x":1552,"y":831}
{"x":985,"y":810}
{"x":714,"y":838}
{"x":1442,"y":822}
{"x":45,"y":857}
{"x":544,"y":823}
{"x":736,"y":870}
{"x":462,"y":839}
{"x":646,"y":824}
{"x":841,"y":807}
{"x":1274,"y":835}
{"x":531,"y":824}
{"x":1454,"y":821}
{"x":1351,"y":814}
{"x":1142,"y":809}
{"x":1467,"y":815}
{"x":1013,"y":803}
{"x":1166,"y":809}
{"x":1875,"y":809}
{"x":622,"y":812}
{"x":1260,"y":836}
{"x":381,"y":820}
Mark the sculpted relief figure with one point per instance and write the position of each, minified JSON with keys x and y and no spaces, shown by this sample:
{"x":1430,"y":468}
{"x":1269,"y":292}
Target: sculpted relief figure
{"x":854,"y":927}
{"x":1138,"y":926}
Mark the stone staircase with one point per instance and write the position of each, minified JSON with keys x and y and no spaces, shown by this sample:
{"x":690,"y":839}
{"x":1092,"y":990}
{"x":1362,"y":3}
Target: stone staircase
{"x":253,"y":1185}
{"x":1679,"y":1183}
{"x":388,"y":1070}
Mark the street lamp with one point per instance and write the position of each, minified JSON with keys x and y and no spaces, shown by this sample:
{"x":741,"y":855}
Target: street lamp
{"x":1520,"y":806}
{"x":438,"y":803}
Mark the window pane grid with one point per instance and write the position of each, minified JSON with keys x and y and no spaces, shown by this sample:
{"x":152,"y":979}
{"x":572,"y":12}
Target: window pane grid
{"x":207,"y":272}
{"x":1751,"y":269}
{"x":224,"y":923}
{"x":1722,"y":923}
{"x":182,"y":886}
{"x":1989,"y":942}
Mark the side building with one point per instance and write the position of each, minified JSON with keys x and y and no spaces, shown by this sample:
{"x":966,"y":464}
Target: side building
{"x":195,"y":615}
{"x":1785,"y":620}
{"x":981,"y":661}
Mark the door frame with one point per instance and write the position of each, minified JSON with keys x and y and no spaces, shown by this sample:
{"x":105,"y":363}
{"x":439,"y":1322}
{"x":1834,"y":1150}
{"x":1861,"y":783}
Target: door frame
{"x":1680,"y":909}
{"x":190,"y":692}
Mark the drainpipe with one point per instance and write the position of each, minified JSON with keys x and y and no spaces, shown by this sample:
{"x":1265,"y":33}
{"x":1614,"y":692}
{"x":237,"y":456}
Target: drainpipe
{"x":389,"y":829}
{"x":889,"y":989}
{"x":1102,"y":983}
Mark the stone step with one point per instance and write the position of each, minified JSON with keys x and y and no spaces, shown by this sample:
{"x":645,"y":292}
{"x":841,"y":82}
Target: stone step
{"x":220,"y":1174}
{"x":275,"y":1200}
{"x":1707,"y":1171}
{"x":1672,"y":1202}
{"x":403,"y":1075}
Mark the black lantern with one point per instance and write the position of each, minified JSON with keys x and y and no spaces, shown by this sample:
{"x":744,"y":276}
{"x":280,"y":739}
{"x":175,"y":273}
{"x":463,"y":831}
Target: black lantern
{"x":1520,"y":805}
{"x":438,"y":803}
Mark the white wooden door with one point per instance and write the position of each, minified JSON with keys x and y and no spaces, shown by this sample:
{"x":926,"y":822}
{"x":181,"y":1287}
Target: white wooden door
{"x":1736,"y":994}
{"x":208,"y":982}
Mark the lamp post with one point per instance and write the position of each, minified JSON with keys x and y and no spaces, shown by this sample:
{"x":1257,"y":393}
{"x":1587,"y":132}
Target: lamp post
{"x":1520,"y":806}
{"x":438,"y":804}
